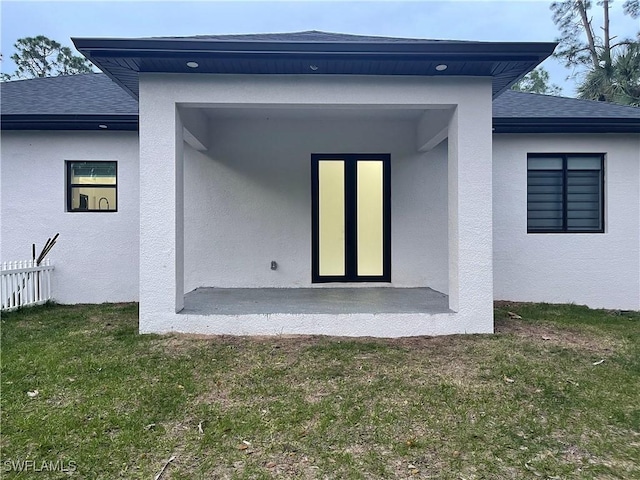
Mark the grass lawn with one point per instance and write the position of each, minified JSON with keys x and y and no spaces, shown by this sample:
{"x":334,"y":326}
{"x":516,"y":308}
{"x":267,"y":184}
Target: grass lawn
{"x":533,"y":401}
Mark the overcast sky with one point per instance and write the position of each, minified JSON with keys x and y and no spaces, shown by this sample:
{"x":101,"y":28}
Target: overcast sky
{"x":511,"y":20}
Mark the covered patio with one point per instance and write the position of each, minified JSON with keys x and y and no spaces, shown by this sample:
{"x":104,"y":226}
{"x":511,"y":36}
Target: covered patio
{"x":241,"y":168}
{"x":335,"y":301}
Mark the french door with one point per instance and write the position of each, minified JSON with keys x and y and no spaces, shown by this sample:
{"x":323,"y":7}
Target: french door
{"x":351,"y":218}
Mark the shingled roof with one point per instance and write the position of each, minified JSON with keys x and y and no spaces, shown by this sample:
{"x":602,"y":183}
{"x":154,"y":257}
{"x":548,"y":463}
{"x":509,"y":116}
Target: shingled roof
{"x":85,"y":94}
{"x":512,"y":104}
{"x":519,"y":112}
{"x":67,"y":102}
{"x":83,"y":101}
{"x":312,"y":36}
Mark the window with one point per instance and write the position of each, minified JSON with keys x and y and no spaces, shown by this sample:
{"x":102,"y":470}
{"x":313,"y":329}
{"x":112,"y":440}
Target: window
{"x":565,"y":193}
{"x":92,"y":187}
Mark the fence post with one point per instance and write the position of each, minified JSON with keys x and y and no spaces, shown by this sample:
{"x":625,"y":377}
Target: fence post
{"x":48,"y":281}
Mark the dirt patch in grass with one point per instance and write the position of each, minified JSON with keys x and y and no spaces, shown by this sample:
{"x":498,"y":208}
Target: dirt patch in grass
{"x":292,"y":343}
{"x":215,"y":394}
{"x":552,"y":335}
{"x":175,"y":344}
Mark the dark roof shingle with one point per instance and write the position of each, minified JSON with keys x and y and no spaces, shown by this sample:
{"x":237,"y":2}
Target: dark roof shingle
{"x":84,"y":94}
{"x":309,"y":36}
{"x":512,"y":104}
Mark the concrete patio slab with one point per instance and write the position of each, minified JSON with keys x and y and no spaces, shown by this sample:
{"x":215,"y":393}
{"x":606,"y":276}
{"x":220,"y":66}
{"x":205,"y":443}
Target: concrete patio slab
{"x":343,"y":301}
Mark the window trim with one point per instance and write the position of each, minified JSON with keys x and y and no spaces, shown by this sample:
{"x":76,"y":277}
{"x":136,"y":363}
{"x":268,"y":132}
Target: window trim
{"x":565,"y":157}
{"x":71,"y":186}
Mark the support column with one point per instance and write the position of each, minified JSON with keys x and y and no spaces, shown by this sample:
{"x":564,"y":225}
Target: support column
{"x":161,"y":213}
{"x":470,"y":214}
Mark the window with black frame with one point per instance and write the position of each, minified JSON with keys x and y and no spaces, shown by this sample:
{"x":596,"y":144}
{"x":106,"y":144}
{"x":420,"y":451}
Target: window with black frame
{"x":92,"y":186}
{"x":565,"y":193}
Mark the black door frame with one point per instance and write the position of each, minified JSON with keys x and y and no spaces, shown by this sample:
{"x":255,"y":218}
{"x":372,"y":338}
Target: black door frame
{"x":350,"y":215}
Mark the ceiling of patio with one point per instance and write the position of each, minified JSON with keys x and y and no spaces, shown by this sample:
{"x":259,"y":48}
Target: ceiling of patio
{"x":429,"y":121}
{"x":307,"y":112}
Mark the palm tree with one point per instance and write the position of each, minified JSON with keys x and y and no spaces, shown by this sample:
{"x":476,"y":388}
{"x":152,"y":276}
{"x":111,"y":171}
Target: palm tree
{"x":616,"y":79}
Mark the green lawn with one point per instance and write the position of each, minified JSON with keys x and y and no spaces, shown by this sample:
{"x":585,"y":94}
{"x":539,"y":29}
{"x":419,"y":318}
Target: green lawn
{"x":533,"y":401}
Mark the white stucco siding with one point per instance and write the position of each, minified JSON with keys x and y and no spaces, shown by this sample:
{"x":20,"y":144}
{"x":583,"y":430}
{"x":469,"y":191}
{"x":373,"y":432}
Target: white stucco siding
{"x":259,"y":91}
{"x":96,"y":255}
{"x":419,"y":219}
{"x":248,"y":201}
{"x":601,"y":270}
{"x":470,"y":217}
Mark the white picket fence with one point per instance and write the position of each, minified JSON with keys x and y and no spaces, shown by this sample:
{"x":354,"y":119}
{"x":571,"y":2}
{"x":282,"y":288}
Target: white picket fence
{"x":24,"y":283}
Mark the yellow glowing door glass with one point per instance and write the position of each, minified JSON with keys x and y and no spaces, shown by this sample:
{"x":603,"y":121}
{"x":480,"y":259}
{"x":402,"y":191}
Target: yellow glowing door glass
{"x":351,"y":225}
{"x":370,"y":215}
{"x":331,"y":217}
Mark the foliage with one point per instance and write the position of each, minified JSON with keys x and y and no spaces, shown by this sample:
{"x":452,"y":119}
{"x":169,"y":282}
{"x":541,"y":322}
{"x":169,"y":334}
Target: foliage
{"x":42,"y":57}
{"x":572,"y":17}
{"x":537,"y":81}
{"x":551,"y":395}
{"x":606,"y":64}
{"x":632,"y":8}
{"x":617,"y":81}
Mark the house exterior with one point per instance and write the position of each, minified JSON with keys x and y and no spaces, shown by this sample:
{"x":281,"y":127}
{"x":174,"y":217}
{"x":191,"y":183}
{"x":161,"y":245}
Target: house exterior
{"x":320,"y":183}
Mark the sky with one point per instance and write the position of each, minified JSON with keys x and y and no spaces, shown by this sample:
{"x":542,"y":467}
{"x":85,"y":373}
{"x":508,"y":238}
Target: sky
{"x":497,"y":20}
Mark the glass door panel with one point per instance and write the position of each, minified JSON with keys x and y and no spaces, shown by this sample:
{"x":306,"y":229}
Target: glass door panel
{"x":331,"y":217}
{"x":370,"y":217}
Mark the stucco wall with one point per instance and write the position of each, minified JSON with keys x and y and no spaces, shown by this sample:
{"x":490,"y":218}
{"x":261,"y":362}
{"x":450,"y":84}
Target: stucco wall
{"x":468,"y":191}
{"x":96,"y":255}
{"x":599,"y":269}
{"x":249,"y":201}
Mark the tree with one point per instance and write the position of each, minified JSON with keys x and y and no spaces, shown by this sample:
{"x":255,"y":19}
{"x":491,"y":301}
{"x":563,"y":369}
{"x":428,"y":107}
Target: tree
{"x":42,"y":57}
{"x":602,"y":62}
{"x":616,"y":81}
{"x":632,"y":8}
{"x":537,"y":81}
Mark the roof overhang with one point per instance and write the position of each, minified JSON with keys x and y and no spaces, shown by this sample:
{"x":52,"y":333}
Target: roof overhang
{"x":117,"y":122}
{"x":124,"y":59}
{"x":566,"y":125}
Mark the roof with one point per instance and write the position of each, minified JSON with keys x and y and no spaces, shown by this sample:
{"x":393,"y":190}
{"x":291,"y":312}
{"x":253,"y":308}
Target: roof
{"x":311,"y":53}
{"x":84,"y":101}
{"x":520,"y":112}
{"x":308,"y":36}
{"x":512,"y":104}
{"x":88,"y":93}
{"x":67,"y":102}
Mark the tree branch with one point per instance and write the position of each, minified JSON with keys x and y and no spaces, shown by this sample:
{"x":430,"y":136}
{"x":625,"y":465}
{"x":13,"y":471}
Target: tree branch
{"x":582,"y":9}
{"x":607,"y":40}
